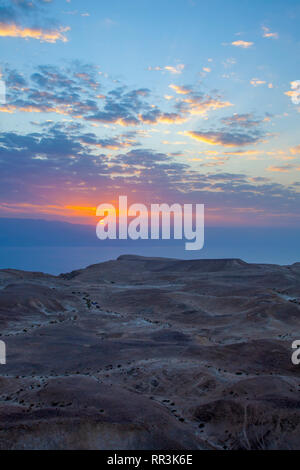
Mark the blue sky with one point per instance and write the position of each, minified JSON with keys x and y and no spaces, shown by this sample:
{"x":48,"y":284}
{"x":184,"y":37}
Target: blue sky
{"x":171,"y":101}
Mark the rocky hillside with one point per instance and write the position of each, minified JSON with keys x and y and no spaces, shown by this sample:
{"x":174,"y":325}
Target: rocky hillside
{"x":151,"y":353}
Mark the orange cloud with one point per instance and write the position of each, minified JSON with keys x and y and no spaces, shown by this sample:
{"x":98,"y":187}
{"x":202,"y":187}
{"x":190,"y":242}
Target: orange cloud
{"x":225,"y":139}
{"x":207,"y":139}
{"x":257,"y":82}
{"x":295,"y":150}
{"x":243,"y":152}
{"x":7,"y":109}
{"x":171,"y":118}
{"x":82,"y":211}
{"x":50,"y":209}
{"x":25,"y":208}
{"x":181,"y":90}
{"x":197,"y":107}
{"x":282,"y":169}
{"x":35,"y":109}
{"x":243,"y":44}
{"x":291,"y":93}
{"x":294,"y":93}
{"x":175,"y":70}
{"x":14,"y":31}
{"x":122,"y":122}
{"x":267,"y":33}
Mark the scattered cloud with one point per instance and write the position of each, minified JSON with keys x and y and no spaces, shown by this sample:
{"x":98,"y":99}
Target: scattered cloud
{"x":180,"y":90}
{"x":294,"y":93}
{"x":229,"y":62}
{"x":156,"y":116}
{"x":195,"y":103}
{"x":77,"y":91}
{"x":178,"y":69}
{"x":243,"y":44}
{"x":94,"y":137}
{"x":70,"y":162}
{"x":175,"y":70}
{"x":241,"y":120}
{"x":15,"y":31}
{"x":257,"y":82}
{"x":268,"y":34}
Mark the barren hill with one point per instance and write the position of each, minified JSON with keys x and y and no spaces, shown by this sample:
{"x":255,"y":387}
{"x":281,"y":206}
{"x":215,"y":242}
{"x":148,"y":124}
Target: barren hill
{"x":151,"y":353}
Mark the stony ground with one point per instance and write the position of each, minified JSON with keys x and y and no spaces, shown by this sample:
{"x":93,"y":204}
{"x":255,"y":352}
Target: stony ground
{"x":145,"y":353}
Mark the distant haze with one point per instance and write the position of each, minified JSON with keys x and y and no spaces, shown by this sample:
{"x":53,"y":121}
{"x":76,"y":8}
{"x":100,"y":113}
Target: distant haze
{"x":55,"y":247}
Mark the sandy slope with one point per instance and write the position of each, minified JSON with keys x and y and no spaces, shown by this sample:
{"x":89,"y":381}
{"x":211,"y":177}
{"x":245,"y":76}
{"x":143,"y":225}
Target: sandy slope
{"x":151,"y":353}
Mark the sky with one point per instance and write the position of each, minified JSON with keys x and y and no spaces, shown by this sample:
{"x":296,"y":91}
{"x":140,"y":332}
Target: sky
{"x":175,"y":101}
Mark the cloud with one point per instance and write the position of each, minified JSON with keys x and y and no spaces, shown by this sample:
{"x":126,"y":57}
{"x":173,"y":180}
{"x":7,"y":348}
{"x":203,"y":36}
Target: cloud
{"x":241,"y":120}
{"x":15,"y":31}
{"x":178,"y":69}
{"x":247,"y":153}
{"x":243,"y":44}
{"x":283,"y":168}
{"x":108,"y":22}
{"x":73,"y":91}
{"x":200,"y":105}
{"x":157,"y":68}
{"x":122,"y":107}
{"x":195,"y":103}
{"x":175,"y":70}
{"x":268,"y":34}
{"x":78,"y":91}
{"x":226,"y":139}
{"x":26,"y":19}
{"x":156,"y":116}
{"x":256,"y":82}
{"x":180,"y":90}
{"x":215,"y":161}
{"x":64,"y":161}
{"x":229,"y":62}
{"x":295,"y":150}
{"x":294,"y":93}
{"x":91,"y":141}
{"x":27,"y":108}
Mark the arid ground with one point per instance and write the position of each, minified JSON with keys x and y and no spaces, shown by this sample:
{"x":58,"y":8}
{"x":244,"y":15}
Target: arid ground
{"x":151,"y":353}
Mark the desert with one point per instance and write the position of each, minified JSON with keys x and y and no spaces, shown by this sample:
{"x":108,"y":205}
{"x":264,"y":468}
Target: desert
{"x":151,"y":353}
